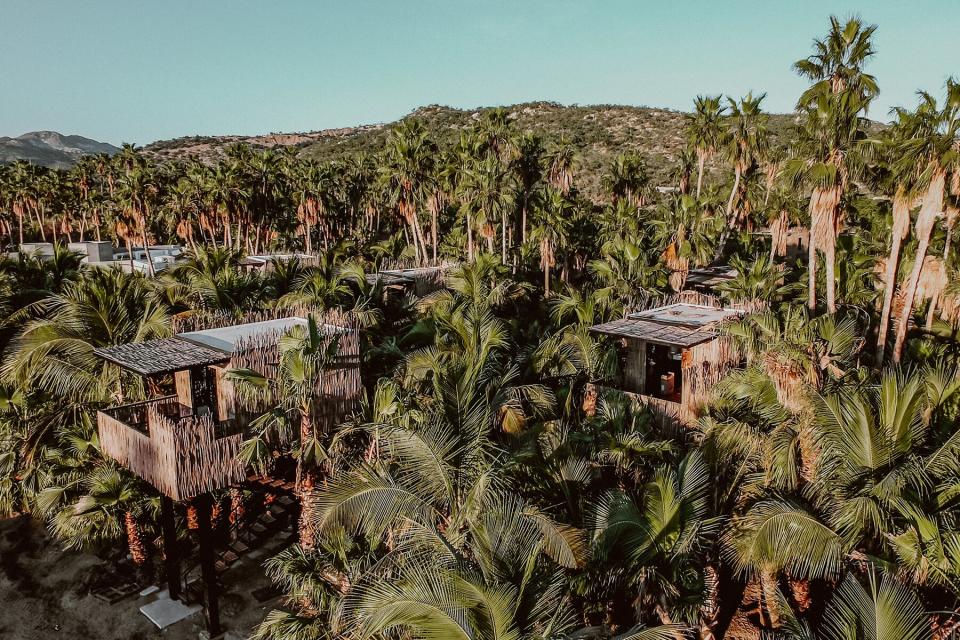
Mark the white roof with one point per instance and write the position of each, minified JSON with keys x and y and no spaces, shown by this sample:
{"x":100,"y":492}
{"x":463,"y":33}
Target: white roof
{"x":227,"y":339}
{"x":687,"y":315}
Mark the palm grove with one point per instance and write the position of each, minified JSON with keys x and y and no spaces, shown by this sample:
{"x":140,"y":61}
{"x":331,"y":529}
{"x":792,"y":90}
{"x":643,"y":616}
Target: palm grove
{"x":475,"y":494}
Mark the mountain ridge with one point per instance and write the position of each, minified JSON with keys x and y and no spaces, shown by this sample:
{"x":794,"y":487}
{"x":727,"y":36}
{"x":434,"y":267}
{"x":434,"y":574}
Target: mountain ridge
{"x":51,"y":148}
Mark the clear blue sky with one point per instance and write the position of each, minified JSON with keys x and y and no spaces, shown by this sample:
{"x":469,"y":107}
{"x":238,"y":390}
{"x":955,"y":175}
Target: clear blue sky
{"x":137,"y":71}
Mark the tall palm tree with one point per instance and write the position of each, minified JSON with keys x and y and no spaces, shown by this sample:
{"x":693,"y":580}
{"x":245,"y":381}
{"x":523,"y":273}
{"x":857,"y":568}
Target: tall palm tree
{"x":830,"y":126}
{"x":746,"y":146}
{"x":406,"y":177}
{"x":529,"y":172}
{"x":551,"y":231}
{"x":705,"y":131}
{"x":927,"y":149}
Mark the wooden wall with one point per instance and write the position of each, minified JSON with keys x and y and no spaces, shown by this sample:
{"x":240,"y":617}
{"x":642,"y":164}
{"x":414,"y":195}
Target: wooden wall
{"x":635,"y":366}
{"x":703,"y":366}
{"x":181,"y":458}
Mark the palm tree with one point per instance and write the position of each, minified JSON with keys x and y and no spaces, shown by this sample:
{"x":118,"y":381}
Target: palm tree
{"x":627,"y":178}
{"x":139,"y":191}
{"x":53,"y":352}
{"x":551,"y":231}
{"x":687,"y":230}
{"x":406,"y":176}
{"x":528,"y":169}
{"x":705,"y":131}
{"x":927,"y":146}
{"x":831,"y":108}
{"x":661,"y":542}
{"x":293,"y":400}
{"x":746,"y":146}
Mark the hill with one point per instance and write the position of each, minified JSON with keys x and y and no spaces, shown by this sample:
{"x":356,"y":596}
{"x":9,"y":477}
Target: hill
{"x":599,"y":132}
{"x":51,"y":149}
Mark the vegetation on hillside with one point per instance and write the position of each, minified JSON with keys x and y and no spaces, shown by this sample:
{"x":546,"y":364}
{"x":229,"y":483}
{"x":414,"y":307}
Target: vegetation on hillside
{"x":480,"y":491}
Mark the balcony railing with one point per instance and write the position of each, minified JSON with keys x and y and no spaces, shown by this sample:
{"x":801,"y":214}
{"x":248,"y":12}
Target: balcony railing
{"x":134,"y":415}
{"x":179,"y":451}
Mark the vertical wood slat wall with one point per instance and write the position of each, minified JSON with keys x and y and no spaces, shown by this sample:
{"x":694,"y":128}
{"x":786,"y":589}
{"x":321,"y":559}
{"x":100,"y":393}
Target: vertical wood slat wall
{"x":181,"y":459}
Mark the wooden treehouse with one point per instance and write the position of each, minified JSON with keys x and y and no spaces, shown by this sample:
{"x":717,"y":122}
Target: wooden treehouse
{"x":671,"y":356}
{"x":417,"y":280}
{"x":186,"y":442}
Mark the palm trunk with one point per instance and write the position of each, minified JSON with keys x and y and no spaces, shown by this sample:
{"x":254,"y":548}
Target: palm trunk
{"x":831,"y":275}
{"x":503,"y":236}
{"x":134,"y":540}
{"x":146,"y":248}
{"x":811,"y":274}
{"x":523,"y":221}
{"x":731,"y":221}
{"x":129,"y":252}
{"x":545,"y":252}
{"x":701,"y":160}
{"x":901,"y":226}
{"x":422,"y":238}
{"x":307,"y":490}
{"x":929,"y":211}
{"x":433,"y":233}
{"x":931,"y":312}
{"x":469,"y":240}
{"x":43,"y":234}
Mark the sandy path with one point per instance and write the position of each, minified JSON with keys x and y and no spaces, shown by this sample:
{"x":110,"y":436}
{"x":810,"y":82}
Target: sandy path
{"x":43,"y":594}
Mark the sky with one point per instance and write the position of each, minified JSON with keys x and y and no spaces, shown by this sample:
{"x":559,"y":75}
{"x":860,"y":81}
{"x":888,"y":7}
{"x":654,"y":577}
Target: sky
{"x":138,"y":71}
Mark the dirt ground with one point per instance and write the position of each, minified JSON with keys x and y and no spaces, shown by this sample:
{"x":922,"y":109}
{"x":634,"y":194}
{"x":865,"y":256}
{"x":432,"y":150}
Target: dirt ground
{"x":44,"y":594}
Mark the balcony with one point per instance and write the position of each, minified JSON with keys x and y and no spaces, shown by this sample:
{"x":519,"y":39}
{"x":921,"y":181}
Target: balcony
{"x":180,"y":451}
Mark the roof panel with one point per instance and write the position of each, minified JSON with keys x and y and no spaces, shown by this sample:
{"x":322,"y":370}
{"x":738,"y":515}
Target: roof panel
{"x":165,"y":355}
{"x":683,"y":325}
{"x":226,"y":339}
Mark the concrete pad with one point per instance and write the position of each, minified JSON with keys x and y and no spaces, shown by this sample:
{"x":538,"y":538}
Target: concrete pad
{"x":164,"y":612}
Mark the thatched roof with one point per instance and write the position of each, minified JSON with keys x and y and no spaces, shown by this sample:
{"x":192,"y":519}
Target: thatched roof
{"x":678,"y":325}
{"x":166,"y":355}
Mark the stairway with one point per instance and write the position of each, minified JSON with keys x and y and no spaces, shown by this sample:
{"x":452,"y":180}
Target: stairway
{"x":255,"y":530}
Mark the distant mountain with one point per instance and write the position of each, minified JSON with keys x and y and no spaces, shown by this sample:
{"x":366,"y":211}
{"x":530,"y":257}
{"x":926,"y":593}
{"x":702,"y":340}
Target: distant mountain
{"x":599,"y":133}
{"x":51,"y":149}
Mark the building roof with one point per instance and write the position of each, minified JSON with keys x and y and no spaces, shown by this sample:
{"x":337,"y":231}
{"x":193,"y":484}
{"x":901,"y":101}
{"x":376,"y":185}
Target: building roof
{"x":199,"y":348}
{"x":165,"y":355}
{"x":405,"y":276}
{"x":680,"y":325}
{"x":227,"y":339}
{"x":388,"y":279}
{"x":709,"y":277}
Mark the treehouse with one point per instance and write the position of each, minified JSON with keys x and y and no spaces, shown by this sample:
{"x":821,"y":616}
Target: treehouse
{"x":707,"y":279}
{"x":671,"y":356}
{"x":419,"y":281}
{"x":186,"y":442}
